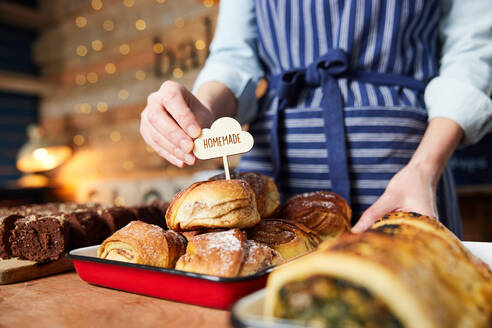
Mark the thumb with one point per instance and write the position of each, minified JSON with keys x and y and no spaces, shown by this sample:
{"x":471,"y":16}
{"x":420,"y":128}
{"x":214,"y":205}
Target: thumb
{"x":382,"y":206}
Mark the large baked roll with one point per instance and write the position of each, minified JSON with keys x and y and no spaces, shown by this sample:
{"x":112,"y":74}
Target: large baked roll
{"x":213,"y":204}
{"x":403,"y":273}
{"x":144,"y":243}
{"x":266,"y":192}
{"x":226,"y":254}
{"x":322,"y":211}
{"x":290,"y":239}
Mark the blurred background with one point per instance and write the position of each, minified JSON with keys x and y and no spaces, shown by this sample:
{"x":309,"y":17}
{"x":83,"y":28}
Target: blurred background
{"x":74,"y":77}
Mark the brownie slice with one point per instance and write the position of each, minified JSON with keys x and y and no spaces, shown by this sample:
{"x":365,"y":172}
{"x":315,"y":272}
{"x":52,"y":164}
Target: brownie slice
{"x":39,"y":239}
{"x":161,"y":205}
{"x":149,"y":214}
{"x":86,"y":228}
{"x":7,"y":224}
{"x":116,"y":217}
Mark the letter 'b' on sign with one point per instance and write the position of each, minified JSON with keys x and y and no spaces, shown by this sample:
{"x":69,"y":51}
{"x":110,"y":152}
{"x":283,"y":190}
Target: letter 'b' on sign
{"x":224,"y":138}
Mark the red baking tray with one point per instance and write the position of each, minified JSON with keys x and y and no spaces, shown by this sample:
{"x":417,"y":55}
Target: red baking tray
{"x":175,"y":285}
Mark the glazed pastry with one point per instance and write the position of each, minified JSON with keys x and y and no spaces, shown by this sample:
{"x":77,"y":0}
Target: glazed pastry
{"x":144,"y":243}
{"x":290,"y":239}
{"x":406,"y":272}
{"x":322,"y":211}
{"x":266,"y":192}
{"x":213,"y":204}
{"x":258,"y":257}
{"x":226,"y":254}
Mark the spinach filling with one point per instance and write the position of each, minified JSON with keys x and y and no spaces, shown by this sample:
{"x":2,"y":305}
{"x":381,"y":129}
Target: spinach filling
{"x":324,"y":302}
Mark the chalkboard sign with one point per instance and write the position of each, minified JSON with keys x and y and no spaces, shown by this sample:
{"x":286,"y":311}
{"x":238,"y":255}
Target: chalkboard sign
{"x":472,"y":165}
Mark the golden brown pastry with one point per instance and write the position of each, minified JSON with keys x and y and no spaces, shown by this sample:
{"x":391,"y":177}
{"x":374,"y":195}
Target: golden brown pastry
{"x":213,"y":204}
{"x":226,"y":254}
{"x":266,"y":192}
{"x":143,"y":243}
{"x":407,"y":271}
{"x":290,"y":239}
{"x":322,"y":211}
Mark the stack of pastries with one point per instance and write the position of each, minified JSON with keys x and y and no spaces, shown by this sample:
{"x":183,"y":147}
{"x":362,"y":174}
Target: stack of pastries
{"x":231,"y":228}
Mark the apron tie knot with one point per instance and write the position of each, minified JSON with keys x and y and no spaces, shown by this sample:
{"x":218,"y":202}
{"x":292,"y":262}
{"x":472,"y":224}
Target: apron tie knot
{"x":324,"y":72}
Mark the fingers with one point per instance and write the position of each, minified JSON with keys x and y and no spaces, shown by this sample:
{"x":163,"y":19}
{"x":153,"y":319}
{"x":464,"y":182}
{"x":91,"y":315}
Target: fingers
{"x":163,"y":146}
{"x":164,"y":125}
{"x":174,"y":99}
{"x":383,"y":205}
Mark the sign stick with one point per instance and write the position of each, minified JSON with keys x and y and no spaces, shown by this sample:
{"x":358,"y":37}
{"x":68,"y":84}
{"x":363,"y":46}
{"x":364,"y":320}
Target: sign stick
{"x":226,"y":168}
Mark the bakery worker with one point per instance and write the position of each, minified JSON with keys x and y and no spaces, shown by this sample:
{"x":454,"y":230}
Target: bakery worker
{"x":368,"y":99}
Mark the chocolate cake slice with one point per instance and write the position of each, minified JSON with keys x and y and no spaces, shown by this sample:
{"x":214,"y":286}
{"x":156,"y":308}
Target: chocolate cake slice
{"x":86,"y":228}
{"x":7,"y":224}
{"x":39,"y":239}
{"x":116,"y":217}
{"x":149,"y":214}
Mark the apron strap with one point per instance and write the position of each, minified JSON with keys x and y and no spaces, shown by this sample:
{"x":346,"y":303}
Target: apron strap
{"x":325,"y":72}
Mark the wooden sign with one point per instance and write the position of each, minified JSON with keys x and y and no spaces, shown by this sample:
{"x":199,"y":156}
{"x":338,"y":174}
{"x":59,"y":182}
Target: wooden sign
{"x":224,"y":138}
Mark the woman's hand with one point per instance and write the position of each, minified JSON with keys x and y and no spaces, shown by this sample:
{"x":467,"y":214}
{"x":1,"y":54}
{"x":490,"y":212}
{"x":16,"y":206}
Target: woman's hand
{"x":174,"y":117}
{"x":410,"y":190}
{"x":413,"y":188}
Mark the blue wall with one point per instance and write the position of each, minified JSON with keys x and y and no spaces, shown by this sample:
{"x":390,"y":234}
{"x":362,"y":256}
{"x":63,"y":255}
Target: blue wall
{"x":17,"y":111}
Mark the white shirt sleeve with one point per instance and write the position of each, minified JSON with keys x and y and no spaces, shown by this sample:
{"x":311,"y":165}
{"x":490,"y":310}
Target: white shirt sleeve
{"x":233,"y":57}
{"x":462,"y":89}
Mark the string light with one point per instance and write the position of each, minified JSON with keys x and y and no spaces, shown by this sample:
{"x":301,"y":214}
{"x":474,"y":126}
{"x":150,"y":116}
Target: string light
{"x":110,"y":68}
{"x":78,"y":139}
{"x":80,"y":79}
{"x":80,"y":21}
{"x":178,"y":72}
{"x":128,"y":165}
{"x":85,"y":108}
{"x":208,"y":3}
{"x":149,"y":149}
{"x":115,"y":136}
{"x":97,"y":45}
{"x":124,"y":49}
{"x":96,"y":4}
{"x":108,"y":25}
{"x":123,"y":94}
{"x":158,"y":48}
{"x":140,"y":24}
{"x":119,"y":201}
{"x":179,"y":22}
{"x":129,"y":3}
{"x":140,"y":75}
{"x":81,"y":50}
{"x":102,"y":107}
{"x":92,"y":77}
{"x":200,"y":44}
{"x":160,"y":1}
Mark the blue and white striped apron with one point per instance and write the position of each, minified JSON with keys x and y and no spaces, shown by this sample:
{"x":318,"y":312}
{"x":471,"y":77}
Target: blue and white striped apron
{"x":344,"y":110}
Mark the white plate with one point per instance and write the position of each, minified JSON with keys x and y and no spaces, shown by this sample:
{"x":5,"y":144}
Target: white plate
{"x":248,"y":311}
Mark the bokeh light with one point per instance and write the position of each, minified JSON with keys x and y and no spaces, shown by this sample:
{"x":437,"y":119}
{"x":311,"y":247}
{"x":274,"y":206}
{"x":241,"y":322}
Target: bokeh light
{"x":108,"y":25}
{"x":96,"y":4}
{"x":81,"y":50}
{"x":115,"y":136}
{"x":178,"y":72}
{"x":92,"y":77}
{"x":123,"y":94}
{"x":140,"y":75}
{"x":140,"y":24}
{"x":78,"y":139}
{"x":110,"y":68}
{"x":124,"y":49}
{"x":102,"y":107}
{"x":97,"y":45}
{"x":80,"y":21}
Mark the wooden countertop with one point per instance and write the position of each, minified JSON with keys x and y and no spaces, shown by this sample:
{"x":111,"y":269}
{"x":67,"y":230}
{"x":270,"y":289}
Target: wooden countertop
{"x":64,"y":300}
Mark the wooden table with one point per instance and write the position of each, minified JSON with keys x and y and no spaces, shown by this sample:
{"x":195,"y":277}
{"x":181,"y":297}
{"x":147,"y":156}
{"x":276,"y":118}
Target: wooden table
{"x":64,"y":300}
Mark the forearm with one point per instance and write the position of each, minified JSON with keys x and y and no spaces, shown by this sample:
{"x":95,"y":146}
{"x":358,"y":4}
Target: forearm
{"x":441,"y":138}
{"x":218,"y":98}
